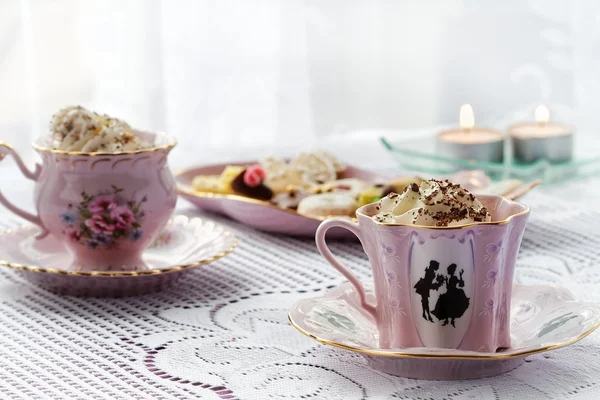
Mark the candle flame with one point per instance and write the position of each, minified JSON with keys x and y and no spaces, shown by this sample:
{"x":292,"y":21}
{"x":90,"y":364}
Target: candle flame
{"x":467,"y":117}
{"x":542,"y":114}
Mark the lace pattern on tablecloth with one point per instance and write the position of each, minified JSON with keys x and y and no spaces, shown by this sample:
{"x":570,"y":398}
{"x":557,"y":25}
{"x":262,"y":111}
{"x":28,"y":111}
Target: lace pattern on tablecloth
{"x":223,"y":332}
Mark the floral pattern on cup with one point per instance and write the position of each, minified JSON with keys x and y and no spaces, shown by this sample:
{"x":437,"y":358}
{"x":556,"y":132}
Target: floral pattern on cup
{"x":489,"y":307}
{"x":104,"y":220}
{"x":392,"y":279}
{"x":396,"y":309}
{"x":400,"y":232}
{"x":389,"y":253}
{"x":490,"y":278}
{"x":492,"y":250}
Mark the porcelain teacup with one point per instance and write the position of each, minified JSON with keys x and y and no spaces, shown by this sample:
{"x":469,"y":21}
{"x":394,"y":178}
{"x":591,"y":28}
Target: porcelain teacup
{"x":444,"y":287}
{"x":105,"y":208}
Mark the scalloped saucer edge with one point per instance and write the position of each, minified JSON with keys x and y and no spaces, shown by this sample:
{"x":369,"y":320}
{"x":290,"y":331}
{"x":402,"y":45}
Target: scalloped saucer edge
{"x":543,"y":318}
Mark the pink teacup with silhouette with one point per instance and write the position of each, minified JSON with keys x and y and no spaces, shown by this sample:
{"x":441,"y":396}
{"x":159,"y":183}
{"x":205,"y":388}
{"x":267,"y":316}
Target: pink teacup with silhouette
{"x":105,"y":208}
{"x":446,"y":287}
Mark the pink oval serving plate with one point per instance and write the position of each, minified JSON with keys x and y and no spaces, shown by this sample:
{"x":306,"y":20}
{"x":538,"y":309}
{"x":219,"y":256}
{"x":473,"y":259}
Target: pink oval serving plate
{"x":258,"y":213}
{"x":183,"y":245}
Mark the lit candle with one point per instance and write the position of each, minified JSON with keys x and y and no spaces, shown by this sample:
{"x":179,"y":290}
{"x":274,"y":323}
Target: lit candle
{"x":471,"y":142}
{"x":552,"y":141}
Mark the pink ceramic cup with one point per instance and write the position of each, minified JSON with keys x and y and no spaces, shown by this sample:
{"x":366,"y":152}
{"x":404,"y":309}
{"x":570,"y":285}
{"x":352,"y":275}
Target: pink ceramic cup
{"x":439,"y":286}
{"x":105,"y":208}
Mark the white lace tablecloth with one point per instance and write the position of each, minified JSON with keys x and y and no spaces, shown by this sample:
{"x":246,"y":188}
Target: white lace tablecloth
{"x":223,"y":332}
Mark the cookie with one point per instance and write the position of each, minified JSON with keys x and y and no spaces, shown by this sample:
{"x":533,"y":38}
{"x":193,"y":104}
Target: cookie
{"x":250,"y":183}
{"x":280,"y":175}
{"x":315,"y":168}
{"x":337,"y":164}
{"x":351,"y":186}
{"x":280,"y":183}
{"x":305,"y":171}
{"x":327,"y":204}
{"x":274,"y":167}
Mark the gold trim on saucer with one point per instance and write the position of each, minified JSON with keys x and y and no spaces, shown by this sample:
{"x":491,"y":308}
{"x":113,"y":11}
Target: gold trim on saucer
{"x":116,"y":274}
{"x":475,"y":356}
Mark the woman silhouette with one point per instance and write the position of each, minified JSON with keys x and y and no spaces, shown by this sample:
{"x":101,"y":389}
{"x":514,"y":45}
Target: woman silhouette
{"x":454,"y":302}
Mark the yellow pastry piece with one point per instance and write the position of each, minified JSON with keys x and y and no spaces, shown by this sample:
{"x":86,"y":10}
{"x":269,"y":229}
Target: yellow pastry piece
{"x":211,"y":184}
{"x":217,"y":183}
{"x":370,"y":195}
{"x":207,"y":183}
{"x":228,"y":175}
{"x":279,"y":183}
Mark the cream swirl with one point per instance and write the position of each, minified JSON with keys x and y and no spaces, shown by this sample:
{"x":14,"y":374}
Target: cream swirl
{"x":78,"y":129}
{"x":434,"y":203}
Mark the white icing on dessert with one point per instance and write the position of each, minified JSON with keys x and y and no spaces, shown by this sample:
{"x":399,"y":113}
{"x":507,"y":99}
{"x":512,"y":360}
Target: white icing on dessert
{"x":290,"y":198}
{"x":305,"y":171}
{"x":351,"y":186}
{"x":315,"y":168}
{"x":327,"y":204}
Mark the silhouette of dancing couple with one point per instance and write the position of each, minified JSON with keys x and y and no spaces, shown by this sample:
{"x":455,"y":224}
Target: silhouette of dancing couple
{"x":450,"y":305}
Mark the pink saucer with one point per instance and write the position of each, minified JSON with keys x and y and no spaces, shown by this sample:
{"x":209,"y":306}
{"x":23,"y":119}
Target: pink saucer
{"x":542,"y":318}
{"x":182,"y":245}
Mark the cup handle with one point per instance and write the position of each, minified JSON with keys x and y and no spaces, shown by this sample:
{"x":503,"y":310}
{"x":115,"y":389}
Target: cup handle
{"x":325,"y":252}
{"x":6,"y":149}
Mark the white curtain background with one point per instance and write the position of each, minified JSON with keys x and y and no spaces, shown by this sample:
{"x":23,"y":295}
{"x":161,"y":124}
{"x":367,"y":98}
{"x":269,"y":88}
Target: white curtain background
{"x":229,"y":75}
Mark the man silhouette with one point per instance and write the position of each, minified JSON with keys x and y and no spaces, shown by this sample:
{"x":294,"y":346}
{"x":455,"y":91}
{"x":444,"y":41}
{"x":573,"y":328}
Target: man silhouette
{"x":425,"y":284}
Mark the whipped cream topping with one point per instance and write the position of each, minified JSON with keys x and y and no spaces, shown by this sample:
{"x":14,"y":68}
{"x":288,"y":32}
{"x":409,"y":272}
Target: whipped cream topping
{"x":305,"y":171}
{"x":78,"y":129}
{"x":434,"y":203}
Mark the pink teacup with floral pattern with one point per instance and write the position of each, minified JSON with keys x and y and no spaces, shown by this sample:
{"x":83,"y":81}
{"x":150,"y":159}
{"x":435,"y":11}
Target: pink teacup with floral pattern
{"x":105,"y":208}
{"x":444,"y":287}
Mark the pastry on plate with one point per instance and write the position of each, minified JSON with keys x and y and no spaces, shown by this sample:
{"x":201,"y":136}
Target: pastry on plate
{"x":304,"y":171}
{"x":250,"y":183}
{"x":315,"y":168}
{"x":370,"y":195}
{"x":327,"y":204}
{"x":217,"y":183}
{"x":351,"y":186}
{"x":290,"y":198}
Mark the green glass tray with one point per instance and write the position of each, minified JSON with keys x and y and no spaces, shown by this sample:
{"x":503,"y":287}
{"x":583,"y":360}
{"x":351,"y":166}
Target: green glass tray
{"x":420,"y":155}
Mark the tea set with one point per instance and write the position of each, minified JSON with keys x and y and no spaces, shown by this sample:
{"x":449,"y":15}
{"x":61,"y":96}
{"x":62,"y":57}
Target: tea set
{"x":441,"y":305}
